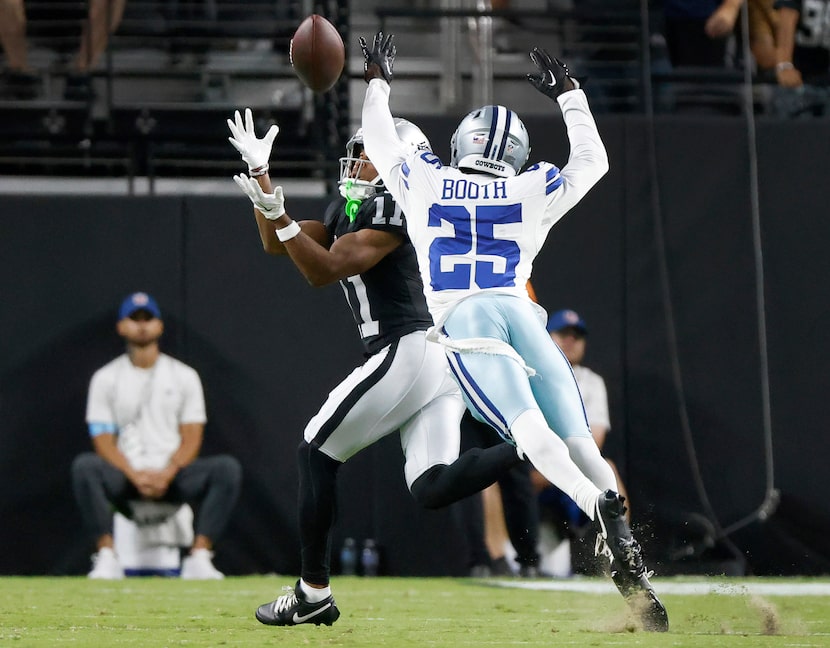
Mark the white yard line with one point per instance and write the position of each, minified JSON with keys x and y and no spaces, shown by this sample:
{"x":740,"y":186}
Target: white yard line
{"x":723,"y":587}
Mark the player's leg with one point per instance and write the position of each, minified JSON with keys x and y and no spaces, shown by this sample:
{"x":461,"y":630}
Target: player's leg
{"x":435,"y":472}
{"x":497,"y":391}
{"x":376,"y":399}
{"x":556,"y":391}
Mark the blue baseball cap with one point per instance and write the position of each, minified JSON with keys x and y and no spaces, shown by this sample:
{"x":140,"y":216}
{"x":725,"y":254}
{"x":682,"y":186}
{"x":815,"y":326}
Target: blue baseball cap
{"x":566,"y":318}
{"x":136,"y":302}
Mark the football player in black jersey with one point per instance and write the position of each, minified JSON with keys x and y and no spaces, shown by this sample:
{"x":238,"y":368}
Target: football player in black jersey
{"x":403,"y":385}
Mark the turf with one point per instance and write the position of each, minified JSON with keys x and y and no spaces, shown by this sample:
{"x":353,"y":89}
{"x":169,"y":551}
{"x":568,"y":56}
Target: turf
{"x":394,"y":612}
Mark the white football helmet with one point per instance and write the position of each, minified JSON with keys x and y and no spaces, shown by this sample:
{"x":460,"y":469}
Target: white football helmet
{"x":350,"y":185}
{"x":490,"y":139}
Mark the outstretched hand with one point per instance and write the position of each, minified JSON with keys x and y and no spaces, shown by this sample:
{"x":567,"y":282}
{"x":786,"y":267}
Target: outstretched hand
{"x":255,"y":151}
{"x":271,"y":205}
{"x":379,"y":59}
{"x":553,"y":76}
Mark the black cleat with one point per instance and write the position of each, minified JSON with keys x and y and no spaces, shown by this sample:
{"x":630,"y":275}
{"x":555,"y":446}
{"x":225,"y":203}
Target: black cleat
{"x":614,"y":540}
{"x":292,"y":608}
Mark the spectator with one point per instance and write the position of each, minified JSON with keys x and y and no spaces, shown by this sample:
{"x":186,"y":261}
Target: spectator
{"x":21,"y":81}
{"x":697,"y":33}
{"x":763,"y":21}
{"x":567,"y":328}
{"x":146,"y":417}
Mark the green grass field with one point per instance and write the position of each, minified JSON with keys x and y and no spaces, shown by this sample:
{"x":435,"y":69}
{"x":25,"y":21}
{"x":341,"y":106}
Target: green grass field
{"x":394,"y":612}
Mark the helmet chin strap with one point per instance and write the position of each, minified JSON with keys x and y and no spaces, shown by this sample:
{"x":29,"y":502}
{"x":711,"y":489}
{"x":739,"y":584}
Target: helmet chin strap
{"x":352,"y":203}
{"x":355,"y":194}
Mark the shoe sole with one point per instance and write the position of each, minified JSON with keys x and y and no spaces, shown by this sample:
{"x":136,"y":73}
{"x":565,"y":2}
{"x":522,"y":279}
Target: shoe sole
{"x":643,"y":601}
{"x":651,"y":611}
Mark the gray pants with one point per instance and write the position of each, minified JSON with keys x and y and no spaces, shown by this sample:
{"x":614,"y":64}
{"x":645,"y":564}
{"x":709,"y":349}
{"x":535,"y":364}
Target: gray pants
{"x":210,"y":485}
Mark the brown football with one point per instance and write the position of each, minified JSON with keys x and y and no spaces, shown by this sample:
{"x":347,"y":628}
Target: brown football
{"x":317,"y":53}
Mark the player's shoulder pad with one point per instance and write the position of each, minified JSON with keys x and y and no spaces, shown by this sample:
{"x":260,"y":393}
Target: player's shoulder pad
{"x":547,"y":172}
{"x":540,"y":166}
{"x":427,"y":159}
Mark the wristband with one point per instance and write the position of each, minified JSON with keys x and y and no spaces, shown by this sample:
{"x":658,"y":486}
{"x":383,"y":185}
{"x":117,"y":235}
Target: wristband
{"x":288,"y":232}
{"x":259,"y":171}
{"x":784,"y":65}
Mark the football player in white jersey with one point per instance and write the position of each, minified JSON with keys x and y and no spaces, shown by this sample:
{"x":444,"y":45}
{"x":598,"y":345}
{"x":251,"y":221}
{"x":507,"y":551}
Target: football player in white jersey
{"x":477,"y":226}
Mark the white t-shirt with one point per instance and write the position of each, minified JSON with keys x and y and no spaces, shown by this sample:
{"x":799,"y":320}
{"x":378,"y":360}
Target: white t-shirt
{"x":145,"y":407}
{"x":594,"y":395}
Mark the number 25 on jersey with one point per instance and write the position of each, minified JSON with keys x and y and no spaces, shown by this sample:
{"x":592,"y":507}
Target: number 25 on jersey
{"x":473,"y":255}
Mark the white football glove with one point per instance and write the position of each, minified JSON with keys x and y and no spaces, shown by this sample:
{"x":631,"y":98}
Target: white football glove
{"x":255,"y":151}
{"x":272,"y":205}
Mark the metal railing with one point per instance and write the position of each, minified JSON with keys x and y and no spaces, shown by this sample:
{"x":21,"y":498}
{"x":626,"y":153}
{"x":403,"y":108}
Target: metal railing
{"x":172,"y":72}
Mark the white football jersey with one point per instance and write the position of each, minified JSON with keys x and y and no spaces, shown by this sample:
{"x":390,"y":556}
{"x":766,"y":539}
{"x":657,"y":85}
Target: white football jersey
{"x":475,"y":232}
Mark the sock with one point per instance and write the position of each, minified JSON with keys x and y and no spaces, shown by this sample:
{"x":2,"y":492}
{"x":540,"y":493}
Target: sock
{"x":549,"y":454}
{"x":312,"y":594}
{"x":587,"y":457}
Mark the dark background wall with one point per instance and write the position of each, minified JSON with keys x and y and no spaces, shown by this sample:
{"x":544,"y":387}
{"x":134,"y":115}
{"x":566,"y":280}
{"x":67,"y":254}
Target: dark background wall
{"x":269,"y":348}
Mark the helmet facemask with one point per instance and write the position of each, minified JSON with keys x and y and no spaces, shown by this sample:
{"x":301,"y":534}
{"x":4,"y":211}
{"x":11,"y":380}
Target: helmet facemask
{"x":351,"y":185}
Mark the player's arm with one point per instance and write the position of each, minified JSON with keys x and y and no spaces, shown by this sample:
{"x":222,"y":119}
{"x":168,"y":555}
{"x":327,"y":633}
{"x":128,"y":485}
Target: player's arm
{"x":785,"y":72}
{"x":268,"y":201}
{"x":351,"y":254}
{"x":307,"y":243}
{"x":380,"y":138}
{"x":588,"y":159}
{"x":268,"y":226}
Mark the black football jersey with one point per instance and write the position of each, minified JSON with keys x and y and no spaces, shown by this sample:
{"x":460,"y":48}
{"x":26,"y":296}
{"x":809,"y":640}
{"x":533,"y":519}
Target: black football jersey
{"x":387,"y":301}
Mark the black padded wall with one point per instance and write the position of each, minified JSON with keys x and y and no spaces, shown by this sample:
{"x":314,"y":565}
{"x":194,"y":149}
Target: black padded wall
{"x":269,"y":348}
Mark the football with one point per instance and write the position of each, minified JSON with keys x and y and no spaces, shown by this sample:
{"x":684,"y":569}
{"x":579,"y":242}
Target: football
{"x":317,"y":53}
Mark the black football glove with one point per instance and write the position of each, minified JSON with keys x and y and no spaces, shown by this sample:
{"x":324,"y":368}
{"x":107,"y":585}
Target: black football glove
{"x":378,"y":61}
{"x":553,"y":78}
